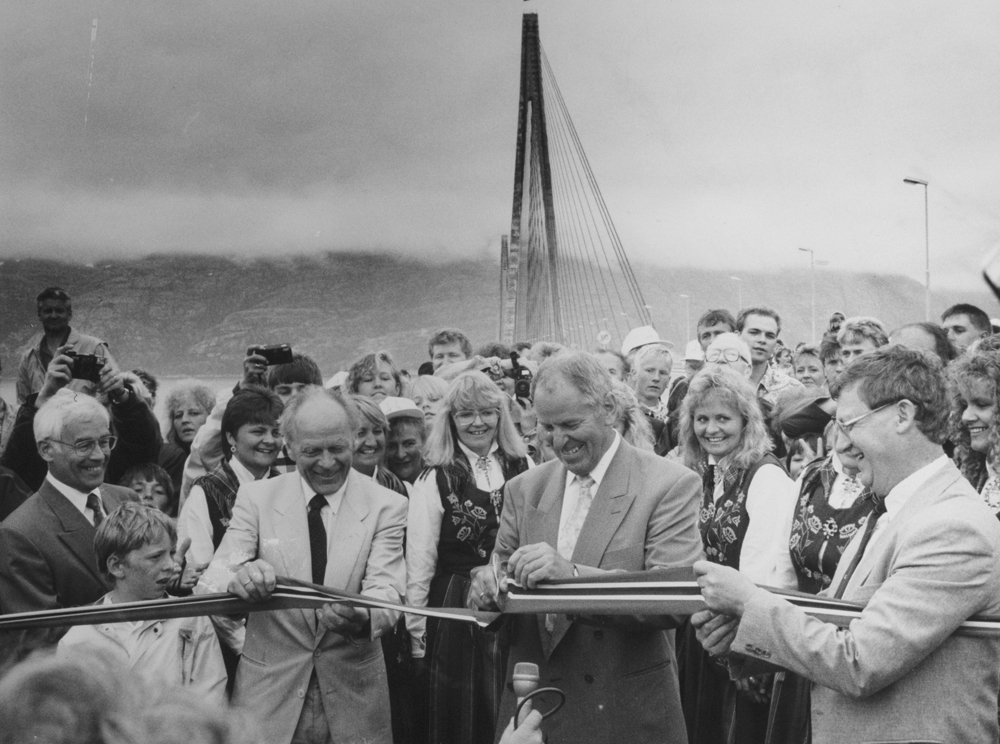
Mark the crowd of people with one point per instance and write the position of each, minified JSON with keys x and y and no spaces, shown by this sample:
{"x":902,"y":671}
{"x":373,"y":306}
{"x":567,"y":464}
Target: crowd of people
{"x":863,"y":467}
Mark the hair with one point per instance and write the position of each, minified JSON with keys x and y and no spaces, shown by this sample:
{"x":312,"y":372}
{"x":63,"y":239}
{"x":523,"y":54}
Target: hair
{"x":635,"y":427}
{"x":714,"y":317}
{"x":428,"y":386}
{"x":893,"y":373}
{"x":150,"y":471}
{"x":446,"y":336}
{"x":368,"y":365}
{"x":62,"y":408}
{"x":54,"y":293}
{"x":147,"y":378}
{"x":251,"y":405}
{"x":471,"y":390}
{"x":626,"y":367}
{"x":521,"y":346}
{"x":977,"y":317}
{"x":651,"y":351}
{"x":301,"y":369}
{"x":581,"y":370}
{"x":942,"y":346}
{"x":806,"y":350}
{"x":982,"y":365}
{"x":738,"y":394}
{"x":398,"y":422}
{"x":542,"y":350}
{"x":494,"y":349}
{"x":741,"y":319}
{"x":307,"y":396}
{"x":829,"y":350}
{"x":129,"y":527}
{"x":370,"y":412}
{"x":202,"y":394}
{"x":860,"y":328}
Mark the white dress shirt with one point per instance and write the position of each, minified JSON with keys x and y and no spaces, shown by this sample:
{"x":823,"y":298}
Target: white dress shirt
{"x":194,"y":522}
{"x":571,"y":495}
{"x":77,"y":498}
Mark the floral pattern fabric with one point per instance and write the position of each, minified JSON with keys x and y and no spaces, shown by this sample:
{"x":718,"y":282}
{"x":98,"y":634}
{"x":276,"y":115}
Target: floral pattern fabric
{"x":723,"y":523}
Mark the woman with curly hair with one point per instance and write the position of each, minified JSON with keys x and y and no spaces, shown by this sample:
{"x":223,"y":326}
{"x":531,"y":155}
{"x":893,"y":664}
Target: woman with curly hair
{"x":375,"y":376}
{"x":187,"y":408}
{"x":745,"y":495}
{"x":473,"y":449}
{"x":974,"y":389}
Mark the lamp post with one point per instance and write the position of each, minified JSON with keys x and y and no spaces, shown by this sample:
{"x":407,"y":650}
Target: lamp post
{"x":812,"y":272}
{"x":687,"y":317}
{"x":927,"y":249}
{"x":739,"y":291}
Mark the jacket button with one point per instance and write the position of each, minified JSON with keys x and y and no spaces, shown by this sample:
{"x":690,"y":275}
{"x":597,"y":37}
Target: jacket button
{"x":588,"y":678}
{"x":316,"y":653}
{"x":301,"y":693}
{"x":598,"y":634}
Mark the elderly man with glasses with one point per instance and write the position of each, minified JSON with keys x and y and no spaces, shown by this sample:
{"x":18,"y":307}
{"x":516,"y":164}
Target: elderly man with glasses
{"x":47,"y":557}
{"x":924,"y":563}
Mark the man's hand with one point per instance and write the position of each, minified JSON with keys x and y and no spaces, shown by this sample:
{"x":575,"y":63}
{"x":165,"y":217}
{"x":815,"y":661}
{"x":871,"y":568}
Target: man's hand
{"x":529,"y":731}
{"x":724,"y":589}
{"x":254,"y":371}
{"x":715,"y":632}
{"x":186,"y":574}
{"x":531,"y":564}
{"x":112,"y":382}
{"x":483,"y":590}
{"x":58,"y":375}
{"x":345,"y":619}
{"x":254,"y":581}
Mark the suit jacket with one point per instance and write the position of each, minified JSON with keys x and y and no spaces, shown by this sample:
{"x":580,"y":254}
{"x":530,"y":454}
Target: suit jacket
{"x":619,"y":674}
{"x":47,"y":555}
{"x":283,"y":649}
{"x":898,"y":673}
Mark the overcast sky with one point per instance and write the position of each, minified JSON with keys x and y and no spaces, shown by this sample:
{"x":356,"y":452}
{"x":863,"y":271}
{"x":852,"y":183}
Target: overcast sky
{"x":721,"y":133}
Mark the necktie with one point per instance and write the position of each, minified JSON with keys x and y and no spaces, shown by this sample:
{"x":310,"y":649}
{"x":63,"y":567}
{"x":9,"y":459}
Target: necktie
{"x":570,"y":531}
{"x":95,"y":505}
{"x":317,"y":538}
{"x":866,"y":537}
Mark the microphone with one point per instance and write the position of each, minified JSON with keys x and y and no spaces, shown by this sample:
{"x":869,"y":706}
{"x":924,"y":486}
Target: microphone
{"x":525,"y":681}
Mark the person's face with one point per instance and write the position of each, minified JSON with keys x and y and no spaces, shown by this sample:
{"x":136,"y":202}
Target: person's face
{"x":379,"y":384}
{"x":429,"y":406}
{"x":442,"y":354}
{"x":651,"y":378}
{"x":188,"y":417}
{"x":707,"y":333}
{"x":151,"y":493}
{"x":55,"y":315}
{"x":83,"y":472}
{"x":832,"y":369}
{"x":761,"y":334}
{"x":717,"y":426}
{"x":477,"y":426}
{"x":613,"y":364}
{"x":578,"y":430}
{"x":809,"y":371}
{"x":850,"y":351}
{"x":288,"y":390}
{"x":144,"y":573}
{"x":729,"y":346}
{"x":977,"y":418}
{"x":257,"y":445}
{"x":403,"y":450}
{"x":960,"y":331}
{"x":795,"y":465}
{"x":369,"y":446}
{"x":868,"y":444}
{"x":323,"y":445}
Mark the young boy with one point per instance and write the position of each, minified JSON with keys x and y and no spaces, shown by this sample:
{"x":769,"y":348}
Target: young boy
{"x":134,"y":546}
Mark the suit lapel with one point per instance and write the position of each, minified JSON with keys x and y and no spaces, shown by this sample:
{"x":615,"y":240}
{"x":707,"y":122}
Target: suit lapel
{"x":291,"y":528}
{"x":76,"y":532}
{"x":542,"y":526}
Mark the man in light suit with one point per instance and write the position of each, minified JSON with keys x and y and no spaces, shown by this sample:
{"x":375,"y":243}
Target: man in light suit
{"x":602,"y":506}
{"x":925,"y":562}
{"x":315,"y":676}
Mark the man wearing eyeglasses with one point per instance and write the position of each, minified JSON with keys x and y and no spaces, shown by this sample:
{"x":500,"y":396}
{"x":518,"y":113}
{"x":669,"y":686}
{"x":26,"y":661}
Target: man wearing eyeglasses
{"x":47,"y":557}
{"x":924,"y":563}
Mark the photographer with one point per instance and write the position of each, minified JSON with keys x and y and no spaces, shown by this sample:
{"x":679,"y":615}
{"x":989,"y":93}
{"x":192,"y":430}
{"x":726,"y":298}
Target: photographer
{"x":132,"y":422}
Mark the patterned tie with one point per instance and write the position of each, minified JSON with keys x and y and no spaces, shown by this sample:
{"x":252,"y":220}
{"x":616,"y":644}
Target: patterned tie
{"x":317,"y":538}
{"x":95,"y":505}
{"x":866,"y":537}
{"x":570,"y":531}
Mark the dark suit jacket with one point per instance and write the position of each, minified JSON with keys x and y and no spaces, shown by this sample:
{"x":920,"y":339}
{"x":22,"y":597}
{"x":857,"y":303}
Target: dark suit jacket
{"x":619,"y":676}
{"x":47,"y":552}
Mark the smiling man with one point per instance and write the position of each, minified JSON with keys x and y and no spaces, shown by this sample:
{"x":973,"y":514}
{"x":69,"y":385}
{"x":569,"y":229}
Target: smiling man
{"x":315,"y":675}
{"x":601,"y":506}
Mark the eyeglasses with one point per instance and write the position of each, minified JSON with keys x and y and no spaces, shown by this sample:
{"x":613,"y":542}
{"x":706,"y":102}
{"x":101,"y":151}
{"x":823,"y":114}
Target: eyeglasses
{"x":846,"y":427}
{"x":729,"y":355}
{"x":87,"y":446}
{"x":488,"y":416}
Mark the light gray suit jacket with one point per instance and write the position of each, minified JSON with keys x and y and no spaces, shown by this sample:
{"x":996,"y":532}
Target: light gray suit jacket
{"x":283,"y":648}
{"x":899,"y":673}
{"x":619,"y":673}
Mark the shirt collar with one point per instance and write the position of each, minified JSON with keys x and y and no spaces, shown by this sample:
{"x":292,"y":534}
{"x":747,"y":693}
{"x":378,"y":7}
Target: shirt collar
{"x":472,"y":455}
{"x":905,"y":489}
{"x":601,"y":468}
{"x":334,"y":499}
{"x":77,"y":498}
{"x":240,"y":471}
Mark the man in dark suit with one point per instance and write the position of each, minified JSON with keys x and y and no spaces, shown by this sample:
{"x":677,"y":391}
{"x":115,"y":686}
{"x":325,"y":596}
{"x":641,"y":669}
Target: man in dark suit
{"x":47,"y":555}
{"x":602,"y":506}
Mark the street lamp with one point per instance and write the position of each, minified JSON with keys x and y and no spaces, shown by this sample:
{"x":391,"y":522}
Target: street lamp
{"x":687,"y":317}
{"x":812,"y":272}
{"x":927,"y":249}
{"x":739,"y":290}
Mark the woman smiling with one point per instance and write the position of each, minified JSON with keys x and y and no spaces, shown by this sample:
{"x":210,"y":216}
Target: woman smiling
{"x":369,"y":447}
{"x":974,"y":389}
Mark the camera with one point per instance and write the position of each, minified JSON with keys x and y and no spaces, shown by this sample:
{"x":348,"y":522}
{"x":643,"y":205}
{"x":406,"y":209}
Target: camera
{"x":278,"y":354}
{"x":86,"y":366}
{"x":522,"y":378}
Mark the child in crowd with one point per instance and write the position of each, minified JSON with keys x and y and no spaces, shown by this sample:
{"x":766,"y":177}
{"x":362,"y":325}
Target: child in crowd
{"x":154,"y":486}
{"x":134,"y":546}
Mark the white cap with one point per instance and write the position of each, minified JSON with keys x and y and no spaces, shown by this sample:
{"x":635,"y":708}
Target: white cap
{"x":337,"y":380}
{"x":693,"y":352}
{"x":641,"y":336}
{"x":394,"y":407}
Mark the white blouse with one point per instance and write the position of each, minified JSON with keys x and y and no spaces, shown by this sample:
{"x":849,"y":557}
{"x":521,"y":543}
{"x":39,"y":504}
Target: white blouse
{"x":194,"y":522}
